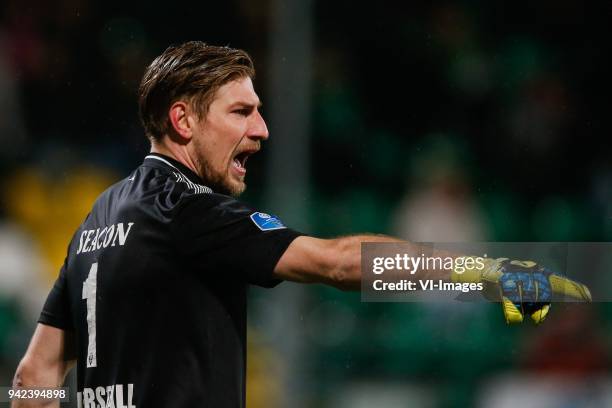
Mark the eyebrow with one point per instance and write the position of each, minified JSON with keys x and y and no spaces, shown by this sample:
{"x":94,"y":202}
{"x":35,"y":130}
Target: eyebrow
{"x":243,"y":103}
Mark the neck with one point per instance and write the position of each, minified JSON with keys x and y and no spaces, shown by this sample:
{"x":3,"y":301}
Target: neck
{"x":177,"y":152}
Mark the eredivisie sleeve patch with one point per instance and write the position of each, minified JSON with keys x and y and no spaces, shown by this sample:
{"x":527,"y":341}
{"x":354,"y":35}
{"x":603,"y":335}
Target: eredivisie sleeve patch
{"x":266,"y":222}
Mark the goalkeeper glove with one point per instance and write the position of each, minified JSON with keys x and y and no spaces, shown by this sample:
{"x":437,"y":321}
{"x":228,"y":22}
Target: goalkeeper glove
{"x":523,"y":287}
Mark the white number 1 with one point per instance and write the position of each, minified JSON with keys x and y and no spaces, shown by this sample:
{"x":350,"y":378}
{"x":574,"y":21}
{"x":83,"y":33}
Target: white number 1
{"x":89,"y":293}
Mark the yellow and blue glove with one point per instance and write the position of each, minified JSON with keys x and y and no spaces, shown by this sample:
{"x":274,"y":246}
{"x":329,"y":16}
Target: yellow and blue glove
{"x":523,"y":287}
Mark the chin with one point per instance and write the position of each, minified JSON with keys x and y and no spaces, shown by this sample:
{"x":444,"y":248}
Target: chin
{"x":233,"y":189}
{"x":237,"y":186}
{"x":223,"y":184}
{"x":237,"y":191}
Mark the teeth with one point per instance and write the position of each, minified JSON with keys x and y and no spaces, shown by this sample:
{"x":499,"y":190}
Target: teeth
{"x":241,"y":158}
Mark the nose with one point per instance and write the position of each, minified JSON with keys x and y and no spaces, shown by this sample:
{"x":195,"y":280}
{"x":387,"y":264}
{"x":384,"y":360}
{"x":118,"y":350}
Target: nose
{"x":257,"y":127}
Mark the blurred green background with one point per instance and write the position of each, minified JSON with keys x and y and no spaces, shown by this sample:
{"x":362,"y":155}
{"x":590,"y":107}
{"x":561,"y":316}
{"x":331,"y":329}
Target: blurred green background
{"x":453,"y":121}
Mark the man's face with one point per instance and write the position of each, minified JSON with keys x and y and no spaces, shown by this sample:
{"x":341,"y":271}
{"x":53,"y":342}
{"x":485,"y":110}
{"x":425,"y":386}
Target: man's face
{"x":231,"y":131}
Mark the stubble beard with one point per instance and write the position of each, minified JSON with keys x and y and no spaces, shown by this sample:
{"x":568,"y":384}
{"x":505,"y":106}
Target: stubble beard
{"x":217,"y":181}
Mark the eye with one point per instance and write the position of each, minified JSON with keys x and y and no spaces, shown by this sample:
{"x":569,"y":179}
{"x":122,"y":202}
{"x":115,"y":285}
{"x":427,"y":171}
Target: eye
{"x":242,"y":111}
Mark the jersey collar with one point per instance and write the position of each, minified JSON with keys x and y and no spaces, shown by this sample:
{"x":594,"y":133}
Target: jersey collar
{"x":163,"y":161}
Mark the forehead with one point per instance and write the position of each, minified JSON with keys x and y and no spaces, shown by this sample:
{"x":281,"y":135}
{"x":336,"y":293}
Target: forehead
{"x":237,"y":91}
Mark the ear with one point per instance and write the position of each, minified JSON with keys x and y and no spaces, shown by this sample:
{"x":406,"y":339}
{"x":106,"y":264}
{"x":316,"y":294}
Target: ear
{"x":181,"y":119}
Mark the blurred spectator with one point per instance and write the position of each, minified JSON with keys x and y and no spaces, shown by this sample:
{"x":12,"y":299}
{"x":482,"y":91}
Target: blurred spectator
{"x":439,"y":206}
{"x":564,"y":363}
{"x":21,"y":270}
{"x":571,"y":343}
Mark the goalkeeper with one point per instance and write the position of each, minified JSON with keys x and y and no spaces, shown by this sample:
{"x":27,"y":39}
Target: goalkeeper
{"x":151,"y":301}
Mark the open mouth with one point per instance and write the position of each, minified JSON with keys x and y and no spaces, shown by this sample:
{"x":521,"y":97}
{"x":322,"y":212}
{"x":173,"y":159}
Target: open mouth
{"x":241,"y":158}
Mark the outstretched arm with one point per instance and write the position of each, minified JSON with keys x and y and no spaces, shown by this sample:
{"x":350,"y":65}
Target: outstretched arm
{"x":337,"y":262}
{"x":45,"y":364}
{"x":523,"y":287}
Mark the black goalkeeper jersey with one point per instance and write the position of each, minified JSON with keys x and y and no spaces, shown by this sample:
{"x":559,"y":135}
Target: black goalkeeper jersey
{"x":154,"y":287}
